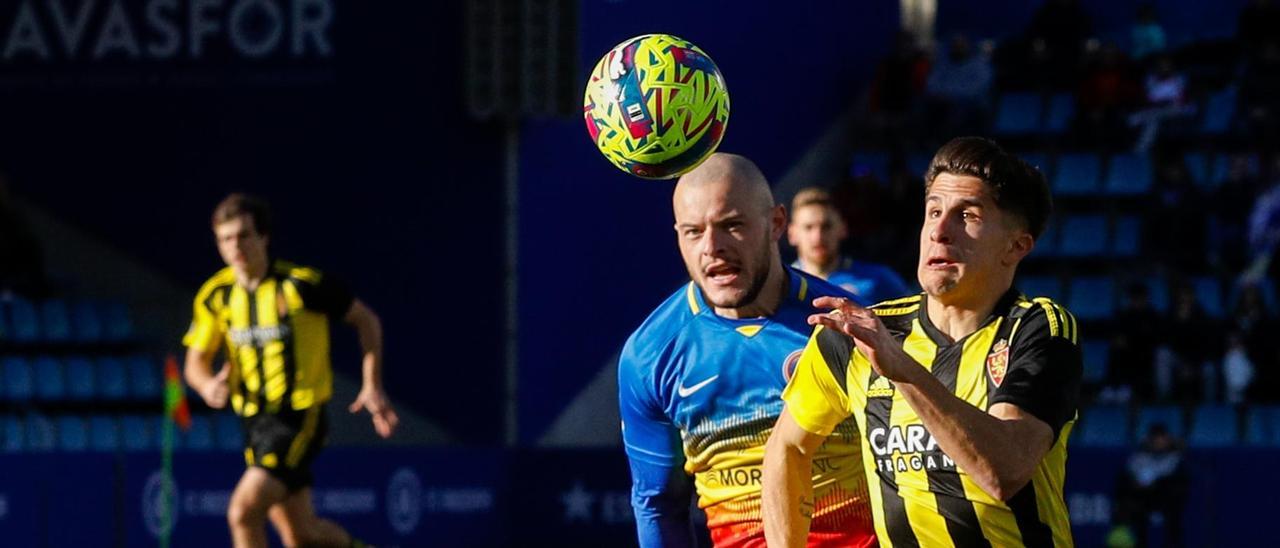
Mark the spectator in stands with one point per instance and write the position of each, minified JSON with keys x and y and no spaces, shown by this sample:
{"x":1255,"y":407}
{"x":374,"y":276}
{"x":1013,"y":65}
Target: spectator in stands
{"x":1186,"y":368}
{"x":1133,"y":348}
{"x":1232,"y":203}
{"x":1061,"y":28}
{"x":1146,"y":37}
{"x":1107,"y":92}
{"x":1237,"y":369}
{"x":1155,"y":480}
{"x":1257,"y":327}
{"x":817,"y":231}
{"x":1166,"y":98}
{"x":898,"y":84}
{"x":1175,"y":225}
{"x":21,"y":256}
{"x":959,"y":87}
{"x":1264,"y":231}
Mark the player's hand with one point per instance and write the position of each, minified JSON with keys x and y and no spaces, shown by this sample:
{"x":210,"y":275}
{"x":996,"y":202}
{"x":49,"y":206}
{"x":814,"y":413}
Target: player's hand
{"x":867,"y":332}
{"x":375,"y":400}
{"x":214,"y":392}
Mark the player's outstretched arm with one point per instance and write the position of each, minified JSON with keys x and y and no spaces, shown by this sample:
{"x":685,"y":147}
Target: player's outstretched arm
{"x":788,"y":482}
{"x":371,"y":397}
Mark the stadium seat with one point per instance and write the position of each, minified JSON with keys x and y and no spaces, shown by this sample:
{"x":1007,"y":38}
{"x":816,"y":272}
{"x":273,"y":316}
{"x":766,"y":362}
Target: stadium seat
{"x":55,"y":320}
{"x":1091,"y":297}
{"x":1047,"y":243}
{"x":23,"y":320}
{"x":1060,"y":114}
{"x":80,"y":385}
{"x":1105,"y":426}
{"x":1128,"y":174}
{"x":73,"y":434}
{"x":1041,"y":286}
{"x":200,"y":436}
{"x":1077,"y":174}
{"x":51,"y":384}
{"x":870,"y":164}
{"x":227,"y":431}
{"x":1198,"y":165}
{"x":1209,"y":293}
{"x":145,"y":378}
{"x":42,"y":435}
{"x":15,"y":434}
{"x":104,"y":433}
{"x":1095,"y":359}
{"x":138,"y":433}
{"x":1018,"y":113}
{"x":1219,"y":109}
{"x":1170,"y":416}
{"x":86,"y":322}
{"x":117,"y":322}
{"x":1212,"y":426}
{"x":1126,"y":237}
{"x":1083,"y":236}
{"x":19,"y":379}
{"x":112,"y":380}
{"x":1158,"y":293}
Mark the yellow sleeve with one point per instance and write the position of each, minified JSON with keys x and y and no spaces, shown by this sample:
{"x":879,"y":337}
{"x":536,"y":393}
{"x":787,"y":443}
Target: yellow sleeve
{"x":205,"y":333}
{"x":814,"y":397}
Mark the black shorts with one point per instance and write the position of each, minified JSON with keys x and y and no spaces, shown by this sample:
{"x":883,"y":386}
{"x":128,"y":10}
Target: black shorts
{"x":285,"y":442}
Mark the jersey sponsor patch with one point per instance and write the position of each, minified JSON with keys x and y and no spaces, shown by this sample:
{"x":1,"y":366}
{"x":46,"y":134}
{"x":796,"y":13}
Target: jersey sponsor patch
{"x":998,"y":361}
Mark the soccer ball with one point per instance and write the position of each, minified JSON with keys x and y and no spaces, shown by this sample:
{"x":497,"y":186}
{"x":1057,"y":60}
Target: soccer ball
{"x":656,"y":106}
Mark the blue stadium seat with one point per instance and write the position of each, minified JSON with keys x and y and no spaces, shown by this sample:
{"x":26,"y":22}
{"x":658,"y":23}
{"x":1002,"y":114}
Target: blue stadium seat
{"x":23,"y":320}
{"x":1269,"y":299}
{"x":1169,"y":415}
{"x":1095,"y":359}
{"x":1198,"y":164}
{"x":1209,"y":293}
{"x":73,"y":434}
{"x":1105,"y":426}
{"x":80,"y":385}
{"x":55,"y":320}
{"x":42,"y":435}
{"x":228,"y":433}
{"x":1158,"y":293}
{"x":51,"y":384}
{"x":1126,"y":236}
{"x":1212,"y":426}
{"x":19,"y":379}
{"x":118,"y":323}
{"x":1078,"y":174}
{"x":86,"y":322}
{"x":1041,"y":286}
{"x":139,"y":433}
{"x":1083,"y":236}
{"x":15,"y":434}
{"x":145,"y":378}
{"x":1219,"y":109}
{"x":1060,"y":114}
{"x":1091,"y":297}
{"x":200,"y":436}
{"x":104,"y":433}
{"x":1128,"y":174}
{"x":870,"y":164}
{"x":1047,"y":243}
{"x":1018,"y":113}
{"x":112,"y":380}
{"x":1262,"y":427}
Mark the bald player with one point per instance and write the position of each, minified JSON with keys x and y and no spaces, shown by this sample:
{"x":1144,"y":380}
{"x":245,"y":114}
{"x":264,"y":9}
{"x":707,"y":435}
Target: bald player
{"x":700,"y":381}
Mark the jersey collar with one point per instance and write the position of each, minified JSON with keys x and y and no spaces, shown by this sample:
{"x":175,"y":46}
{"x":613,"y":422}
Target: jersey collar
{"x":939,"y":338}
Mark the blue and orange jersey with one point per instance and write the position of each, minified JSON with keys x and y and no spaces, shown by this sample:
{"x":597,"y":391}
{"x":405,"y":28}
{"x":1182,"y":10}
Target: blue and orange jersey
{"x":699,"y":396}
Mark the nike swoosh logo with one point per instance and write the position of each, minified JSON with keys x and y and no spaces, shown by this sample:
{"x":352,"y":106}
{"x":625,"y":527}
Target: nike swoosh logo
{"x":686,"y":392}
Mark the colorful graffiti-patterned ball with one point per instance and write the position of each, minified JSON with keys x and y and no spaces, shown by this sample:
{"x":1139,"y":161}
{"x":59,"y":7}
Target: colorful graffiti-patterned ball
{"x":656,"y":106}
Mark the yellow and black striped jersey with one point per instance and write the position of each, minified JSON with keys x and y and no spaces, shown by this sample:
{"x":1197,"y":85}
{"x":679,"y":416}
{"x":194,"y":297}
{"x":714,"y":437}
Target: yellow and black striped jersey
{"x":1026,"y":354}
{"x":277,"y":335}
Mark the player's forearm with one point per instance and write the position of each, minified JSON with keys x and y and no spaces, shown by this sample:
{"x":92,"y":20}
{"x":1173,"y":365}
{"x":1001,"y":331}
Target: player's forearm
{"x":369,"y":329}
{"x":197,"y":369}
{"x":987,"y":448}
{"x":788,"y":494}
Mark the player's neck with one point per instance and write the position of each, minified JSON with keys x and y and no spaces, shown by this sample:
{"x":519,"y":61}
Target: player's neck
{"x":251,"y":276}
{"x":957,"y":316}
{"x":767,"y":302}
{"x":821,"y":270}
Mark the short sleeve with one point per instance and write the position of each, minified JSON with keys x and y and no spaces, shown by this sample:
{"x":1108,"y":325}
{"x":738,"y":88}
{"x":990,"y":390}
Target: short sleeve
{"x":1045,"y":367}
{"x":205,"y":333}
{"x":324,"y":294}
{"x":816,"y":396}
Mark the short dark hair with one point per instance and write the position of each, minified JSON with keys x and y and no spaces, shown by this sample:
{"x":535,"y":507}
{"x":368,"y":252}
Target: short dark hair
{"x":238,"y":204}
{"x":1017,"y":187}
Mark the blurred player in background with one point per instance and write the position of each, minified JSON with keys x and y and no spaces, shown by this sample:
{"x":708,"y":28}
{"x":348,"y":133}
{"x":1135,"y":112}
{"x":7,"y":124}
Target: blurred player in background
{"x":966,"y":394}
{"x":700,"y":381}
{"x":817,"y":232}
{"x":274,"y":318}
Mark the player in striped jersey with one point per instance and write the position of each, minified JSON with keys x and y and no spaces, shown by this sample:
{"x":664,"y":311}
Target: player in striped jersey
{"x":965,"y":394}
{"x":273,"y":317}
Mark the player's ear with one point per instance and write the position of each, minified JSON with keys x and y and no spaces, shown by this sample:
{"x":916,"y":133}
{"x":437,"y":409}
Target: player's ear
{"x":1020,"y":246}
{"x":778,"y":220}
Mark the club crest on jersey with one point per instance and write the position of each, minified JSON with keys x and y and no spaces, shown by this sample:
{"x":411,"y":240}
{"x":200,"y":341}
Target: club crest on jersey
{"x":998,"y":361}
{"x":789,"y":365}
